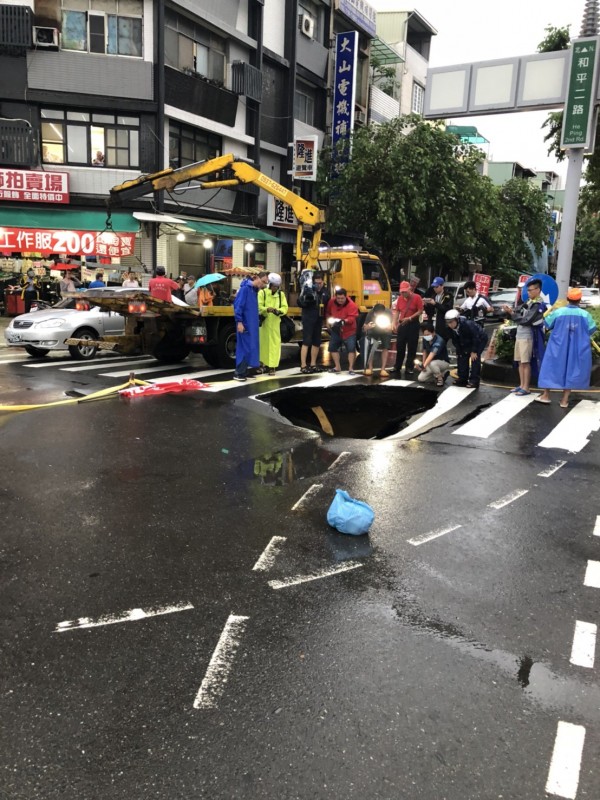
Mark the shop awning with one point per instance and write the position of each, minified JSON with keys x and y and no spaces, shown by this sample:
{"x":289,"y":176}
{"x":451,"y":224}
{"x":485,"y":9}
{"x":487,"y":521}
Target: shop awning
{"x":66,"y":219}
{"x":231,"y":231}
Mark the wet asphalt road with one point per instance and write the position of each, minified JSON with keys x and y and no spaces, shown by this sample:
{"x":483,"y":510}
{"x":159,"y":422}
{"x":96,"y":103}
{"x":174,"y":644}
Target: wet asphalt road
{"x":439,"y":669}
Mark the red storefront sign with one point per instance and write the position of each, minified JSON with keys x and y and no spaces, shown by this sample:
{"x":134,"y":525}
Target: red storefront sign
{"x":70,"y":243}
{"x":34,"y":186}
{"x":482,"y":282}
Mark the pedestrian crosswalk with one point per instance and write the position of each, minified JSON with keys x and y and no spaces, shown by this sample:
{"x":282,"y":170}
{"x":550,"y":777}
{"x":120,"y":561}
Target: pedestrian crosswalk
{"x":571,"y":433}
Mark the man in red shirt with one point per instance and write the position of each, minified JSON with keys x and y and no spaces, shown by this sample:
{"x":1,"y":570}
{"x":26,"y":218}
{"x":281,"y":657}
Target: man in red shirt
{"x":340,"y":316}
{"x":161,"y":286}
{"x":407,"y":314}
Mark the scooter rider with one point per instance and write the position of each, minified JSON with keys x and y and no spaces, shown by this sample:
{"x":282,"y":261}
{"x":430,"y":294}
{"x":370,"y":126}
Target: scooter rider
{"x":469,"y":340}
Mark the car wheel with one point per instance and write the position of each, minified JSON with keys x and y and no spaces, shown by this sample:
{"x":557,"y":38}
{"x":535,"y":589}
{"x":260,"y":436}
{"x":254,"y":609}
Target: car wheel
{"x":171,"y":351}
{"x":36,"y":352}
{"x":84,"y":352}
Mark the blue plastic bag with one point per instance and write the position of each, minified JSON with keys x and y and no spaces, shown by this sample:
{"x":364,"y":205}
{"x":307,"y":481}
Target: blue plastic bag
{"x":348,"y":515}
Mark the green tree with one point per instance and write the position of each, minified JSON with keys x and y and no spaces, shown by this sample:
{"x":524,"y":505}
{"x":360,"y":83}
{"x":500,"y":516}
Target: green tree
{"x":586,"y":248}
{"x":411,"y":189}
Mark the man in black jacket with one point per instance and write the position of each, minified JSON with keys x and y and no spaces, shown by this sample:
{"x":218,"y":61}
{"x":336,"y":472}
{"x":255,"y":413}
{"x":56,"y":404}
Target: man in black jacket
{"x":436,"y":303}
{"x":313,"y":301}
{"x":469,"y":340}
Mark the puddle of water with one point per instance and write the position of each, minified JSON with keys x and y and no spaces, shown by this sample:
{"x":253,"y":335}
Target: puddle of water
{"x":281,"y":467}
{"x":356,"y":412}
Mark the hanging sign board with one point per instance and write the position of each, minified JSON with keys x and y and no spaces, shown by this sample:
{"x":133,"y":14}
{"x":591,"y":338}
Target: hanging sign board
{"x":70,"y":243}
{"x":579,"y":117}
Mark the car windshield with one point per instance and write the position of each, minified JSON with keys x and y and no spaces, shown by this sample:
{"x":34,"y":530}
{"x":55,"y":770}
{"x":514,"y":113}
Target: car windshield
{"x":590,"y":292}
{"x":499,"y":296}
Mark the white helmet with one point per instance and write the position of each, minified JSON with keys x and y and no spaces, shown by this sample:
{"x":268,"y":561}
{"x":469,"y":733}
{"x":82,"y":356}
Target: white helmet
{"x":275,"y":278}
{"x":452,"y":314}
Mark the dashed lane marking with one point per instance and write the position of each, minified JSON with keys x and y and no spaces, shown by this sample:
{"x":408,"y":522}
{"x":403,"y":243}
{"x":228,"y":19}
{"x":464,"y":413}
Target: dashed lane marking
{"x":592,"y":574}
{"x":314,"y":489}
{"x":597,"y":526}
{"x":547,"y":473}
{"x":132,"y":615}
{"x":220,"y":665}
{"x":563,"y":776}
{"x":508,"y":498}
{"x":146,"y":371}
{"x":488,"y":422}
{"x":110,"y":365}
{"x":583,"y":652}
{"x":267,"y":559}
{"x":573,"y":432}
{"x":428,"y":537}
{"x":315,"y":576}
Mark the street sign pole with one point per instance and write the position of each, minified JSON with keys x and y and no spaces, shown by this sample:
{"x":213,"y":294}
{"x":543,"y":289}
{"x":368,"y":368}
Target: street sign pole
{"x":577,"y":138}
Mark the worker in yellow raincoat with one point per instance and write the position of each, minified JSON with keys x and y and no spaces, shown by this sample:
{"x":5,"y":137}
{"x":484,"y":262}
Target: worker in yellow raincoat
{"x":272,"y":305}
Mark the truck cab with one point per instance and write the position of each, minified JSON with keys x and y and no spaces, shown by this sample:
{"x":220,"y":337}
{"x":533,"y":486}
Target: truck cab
{"x":361,"y":274}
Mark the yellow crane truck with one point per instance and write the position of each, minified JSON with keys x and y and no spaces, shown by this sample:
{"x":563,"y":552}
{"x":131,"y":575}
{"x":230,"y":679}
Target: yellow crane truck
{"x":170,"y":332}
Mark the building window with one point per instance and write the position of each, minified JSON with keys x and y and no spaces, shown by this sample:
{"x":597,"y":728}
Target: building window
{"x":304,"y":104}
{"x":188,"y":145}
{"x":193,"y":49}
{"x":86,"y":139}
{"x":103,"y":26}
{"x":418,"y":98}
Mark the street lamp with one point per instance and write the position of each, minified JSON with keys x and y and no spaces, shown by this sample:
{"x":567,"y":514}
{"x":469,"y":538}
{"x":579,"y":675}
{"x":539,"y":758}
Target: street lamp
{"x":207,"y":244}
{"x":248,"y":247}
{"x":181,"y":237}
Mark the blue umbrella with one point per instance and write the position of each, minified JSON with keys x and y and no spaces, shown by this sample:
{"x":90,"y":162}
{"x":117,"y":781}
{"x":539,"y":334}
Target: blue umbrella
{"x":212,"y":277}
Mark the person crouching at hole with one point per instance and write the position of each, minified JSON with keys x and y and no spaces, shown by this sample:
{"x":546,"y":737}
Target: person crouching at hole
{"x":469,"y":340}
{"x":341,"y":315}
{"x":435,"y":356}
{"x":272,"y":305}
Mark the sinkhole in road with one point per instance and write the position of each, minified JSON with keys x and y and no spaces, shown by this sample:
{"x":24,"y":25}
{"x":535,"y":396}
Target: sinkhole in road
{"x":352,"y":412}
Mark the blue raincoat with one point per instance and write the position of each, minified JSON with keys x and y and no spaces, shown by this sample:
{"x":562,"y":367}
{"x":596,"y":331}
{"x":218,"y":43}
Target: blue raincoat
{"x":245,"y":309}
{"x":567,"y":363}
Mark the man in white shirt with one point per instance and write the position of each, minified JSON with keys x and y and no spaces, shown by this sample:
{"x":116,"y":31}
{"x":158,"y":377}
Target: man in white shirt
{"x":476,"y":305}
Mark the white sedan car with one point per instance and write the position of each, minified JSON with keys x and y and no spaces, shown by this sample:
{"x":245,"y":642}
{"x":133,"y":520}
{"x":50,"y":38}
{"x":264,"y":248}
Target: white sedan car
{"x":46,"y":329}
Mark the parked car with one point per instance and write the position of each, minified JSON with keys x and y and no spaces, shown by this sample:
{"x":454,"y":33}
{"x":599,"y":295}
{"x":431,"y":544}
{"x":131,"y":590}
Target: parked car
{"x":589,"y":297}
{"x":499,"y":299}
{"x":46,"y":329}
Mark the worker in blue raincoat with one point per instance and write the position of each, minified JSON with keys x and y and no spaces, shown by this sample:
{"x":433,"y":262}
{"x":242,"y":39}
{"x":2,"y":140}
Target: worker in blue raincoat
{"x":568,"y":361}
{"x":245,"y":309}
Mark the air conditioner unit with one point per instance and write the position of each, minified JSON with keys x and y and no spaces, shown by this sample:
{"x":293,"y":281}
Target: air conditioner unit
{"x":361,"y":117}
{"x":47,"y":38}
{"x":307,"y":25}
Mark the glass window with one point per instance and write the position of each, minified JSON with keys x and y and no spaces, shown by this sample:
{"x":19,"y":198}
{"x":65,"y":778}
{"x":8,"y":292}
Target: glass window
{"x":373,"y":271}
{"x":97,"y":37}
{"x":135,"y":7}
{"x":188,"y":145}
{"x":82,"y":142}
{"x":74,"y":30}
{"x":53,"y":151}
{"x":108,"y":6}
{"x":186,"y":54}
{"x":418,"y":97}
{"x":50,"y":113}
{"x":77,"y":144}
{"x":201,"y":63}
{"x":217,"y":66}
{"x":171,"y":48}
{"x":124,"y":36}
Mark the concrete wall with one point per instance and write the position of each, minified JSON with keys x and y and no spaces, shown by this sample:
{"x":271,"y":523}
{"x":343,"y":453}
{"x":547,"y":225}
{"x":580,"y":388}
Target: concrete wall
{"x":274,"y":26}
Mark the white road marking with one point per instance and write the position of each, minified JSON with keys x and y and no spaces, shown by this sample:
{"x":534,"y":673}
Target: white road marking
{"x":446,"y":401}
{"x":597,"y":527}
{"x":17,"y":359}
{"x":144,"y":371}
{"x":57,"y":363}
{"x":315,"y":576}
{"x":573,"y":432}
{"x":583,"y":651}
{"x":397,"y":382}
{"x":221,"y":387}
{"x":116,"y":363}
{"x":217,"y":674}
{"x":563,"y":776}
{"x":339,"y":459}
{"x":592,"y":574}
{"x":127,"y":616}
{"x":488,"y":422}
{"x":428,"y":537}
{"x":206,"y":373}
{"x":267,"y":558}
{"x":546,"y":473}
{"x":508,"y":498}
{"x":331,"y":379}
{"x":316,"y":487}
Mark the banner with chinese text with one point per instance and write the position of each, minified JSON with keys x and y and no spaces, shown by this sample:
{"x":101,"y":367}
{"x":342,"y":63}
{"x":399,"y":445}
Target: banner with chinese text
{"x":280,"y":214}
{"x":34,"y":186}
{"x":70,"y":243}
{"x":346,"y":53}
{"x":305,"y":158}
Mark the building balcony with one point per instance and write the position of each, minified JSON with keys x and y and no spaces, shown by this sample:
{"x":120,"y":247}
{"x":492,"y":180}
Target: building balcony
{"x":15,"y":29}
{"x":17,"y":144}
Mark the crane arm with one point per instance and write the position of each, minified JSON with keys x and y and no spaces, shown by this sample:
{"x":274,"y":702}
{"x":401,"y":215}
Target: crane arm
{"x":227,"y":171}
